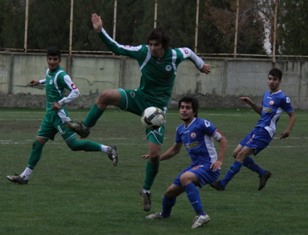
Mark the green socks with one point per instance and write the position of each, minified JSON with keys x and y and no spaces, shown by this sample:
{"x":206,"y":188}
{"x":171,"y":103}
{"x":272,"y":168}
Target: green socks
{"x":35,"y":154}
{"x":93,"y":115}
{"x":151,"y":172}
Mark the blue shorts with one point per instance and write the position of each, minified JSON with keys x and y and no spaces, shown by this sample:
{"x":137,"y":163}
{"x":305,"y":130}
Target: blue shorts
{"x":204,"y":174}
{"x":258,"y":139}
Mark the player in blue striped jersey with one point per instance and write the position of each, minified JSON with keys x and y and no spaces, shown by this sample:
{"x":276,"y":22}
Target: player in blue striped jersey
{"x":274,"y":102}
{"x":197,"y":135}
{"x":158,"y":66}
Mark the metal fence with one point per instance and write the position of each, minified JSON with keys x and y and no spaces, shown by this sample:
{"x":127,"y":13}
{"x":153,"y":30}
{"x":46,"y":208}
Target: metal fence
{"x":156,"y":6}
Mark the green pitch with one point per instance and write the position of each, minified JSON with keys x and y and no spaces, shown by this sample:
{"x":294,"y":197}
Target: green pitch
{"x":82,"y":193}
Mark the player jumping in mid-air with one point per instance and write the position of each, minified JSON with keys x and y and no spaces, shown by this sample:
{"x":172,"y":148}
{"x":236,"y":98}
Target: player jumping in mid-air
{"x":273,"y":103}
{"x":158,"y":65}
{"x":56,"y":117}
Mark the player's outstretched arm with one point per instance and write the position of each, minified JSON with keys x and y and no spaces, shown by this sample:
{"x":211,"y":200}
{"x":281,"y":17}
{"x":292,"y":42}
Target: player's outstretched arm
{"x":248,"y":101}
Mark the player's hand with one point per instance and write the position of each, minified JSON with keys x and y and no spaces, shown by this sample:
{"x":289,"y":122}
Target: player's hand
{"x":206,"y":69}
{"x":97,"y":22}
{"x":146,"y":156}
{"x":246,"y":99}
{"x":216,"y":165}
{"x":56,"y":106}
{"x":33,"y":83}
{"x":284,"y":134}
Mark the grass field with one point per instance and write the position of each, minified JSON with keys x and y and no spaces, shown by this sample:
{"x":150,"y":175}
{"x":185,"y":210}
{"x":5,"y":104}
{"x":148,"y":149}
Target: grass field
{"x":82,"y":193}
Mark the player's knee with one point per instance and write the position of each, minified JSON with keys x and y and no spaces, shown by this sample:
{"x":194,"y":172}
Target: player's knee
{"x":234,"y":155}
{"x":37,"y":145}
{"x":106,"y":97}
{"x":240,"y":156}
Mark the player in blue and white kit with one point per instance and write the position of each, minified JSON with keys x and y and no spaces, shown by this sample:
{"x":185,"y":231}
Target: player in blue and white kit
{"x":197,"y":135}
{"x":273,"y":103}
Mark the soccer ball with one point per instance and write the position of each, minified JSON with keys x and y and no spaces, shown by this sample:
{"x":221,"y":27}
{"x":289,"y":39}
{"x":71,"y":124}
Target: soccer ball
{"x":153,"y":118}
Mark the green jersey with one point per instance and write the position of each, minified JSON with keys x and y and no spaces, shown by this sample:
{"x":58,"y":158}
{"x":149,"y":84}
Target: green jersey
{"x":56,"y":83}
{"x":158,"y":75}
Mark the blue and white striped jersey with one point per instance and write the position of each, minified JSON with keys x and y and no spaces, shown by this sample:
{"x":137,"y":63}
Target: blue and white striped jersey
{"x":198,"y":141}
{"x":272,"y":106}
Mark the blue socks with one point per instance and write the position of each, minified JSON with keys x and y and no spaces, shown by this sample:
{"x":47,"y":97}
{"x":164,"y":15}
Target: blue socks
{"x":234,"y":169}
{"x":168,"y":203}
{"x":250,"y":164}
{"x":194,"y":198}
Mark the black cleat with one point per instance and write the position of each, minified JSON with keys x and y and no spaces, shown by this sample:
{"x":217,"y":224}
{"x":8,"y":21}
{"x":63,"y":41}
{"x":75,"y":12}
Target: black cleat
{"x":80,"y":129}
{"x":17,"y":179}
{"x":263,"y":179}
{"x":217,"y":185}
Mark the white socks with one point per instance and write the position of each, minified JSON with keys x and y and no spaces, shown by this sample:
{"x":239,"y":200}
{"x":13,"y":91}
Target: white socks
{"x":26,"y":173}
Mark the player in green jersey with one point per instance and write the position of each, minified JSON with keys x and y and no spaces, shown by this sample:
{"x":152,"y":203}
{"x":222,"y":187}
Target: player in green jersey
{"x":158,"y":65}
{"x":56,"y":118}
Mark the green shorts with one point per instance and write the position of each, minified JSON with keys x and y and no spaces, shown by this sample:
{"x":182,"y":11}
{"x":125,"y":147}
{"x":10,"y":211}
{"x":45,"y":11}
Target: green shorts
{"x":135,"y":102}
{"x":51,"y":125}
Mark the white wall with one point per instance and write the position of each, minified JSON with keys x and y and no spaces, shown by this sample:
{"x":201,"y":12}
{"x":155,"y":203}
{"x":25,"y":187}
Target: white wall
{"x":229,"y":79}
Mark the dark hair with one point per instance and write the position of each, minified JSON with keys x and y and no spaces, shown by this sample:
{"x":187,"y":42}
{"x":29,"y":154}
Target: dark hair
{"x":276,"y":73}
{"x":193,"y":101}
{"x":161,"y":36}
{"x":53,"y":51}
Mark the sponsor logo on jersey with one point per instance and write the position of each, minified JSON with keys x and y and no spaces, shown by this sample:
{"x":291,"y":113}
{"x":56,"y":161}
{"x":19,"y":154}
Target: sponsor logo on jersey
{"x":191,"y":145}
{"x":168,"y":67}
{"x":267,"y":110}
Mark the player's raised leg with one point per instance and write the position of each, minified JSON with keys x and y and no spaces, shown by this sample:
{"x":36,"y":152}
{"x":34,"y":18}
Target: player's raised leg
{"x":107,"y":97}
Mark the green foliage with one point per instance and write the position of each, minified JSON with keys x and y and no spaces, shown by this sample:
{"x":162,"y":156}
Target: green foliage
{"x":49,"y":23}
{"x":293,"y":28}
{"x":82,"y":193}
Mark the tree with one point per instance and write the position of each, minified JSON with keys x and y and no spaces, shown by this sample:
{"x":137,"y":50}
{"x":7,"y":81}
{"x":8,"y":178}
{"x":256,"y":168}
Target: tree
{"x":293,"y":27}
{"x":218,"y":27}
{"x":12,"y":24}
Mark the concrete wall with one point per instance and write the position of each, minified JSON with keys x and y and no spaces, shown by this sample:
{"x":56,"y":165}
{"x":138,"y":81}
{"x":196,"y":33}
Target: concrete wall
{"x":229,"y":79}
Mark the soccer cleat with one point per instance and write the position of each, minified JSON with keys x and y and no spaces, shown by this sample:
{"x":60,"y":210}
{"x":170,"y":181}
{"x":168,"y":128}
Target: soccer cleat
{"x":80,"y":129}
{"x":146,"y":200}
{"x":263,"y":179}
{"x":17,"y":179}
{"x":217,"y":185}
{"x":155,"y":216}
{"x":113,"y":154}
{"x":200,"y":220}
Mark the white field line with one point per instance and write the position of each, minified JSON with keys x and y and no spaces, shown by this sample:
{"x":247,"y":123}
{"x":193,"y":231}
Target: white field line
{"x":124,"y":142}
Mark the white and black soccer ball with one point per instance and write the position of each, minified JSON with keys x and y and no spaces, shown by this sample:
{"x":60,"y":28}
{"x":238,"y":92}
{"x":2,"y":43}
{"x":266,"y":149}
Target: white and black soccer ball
{"x":153,"y":117}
